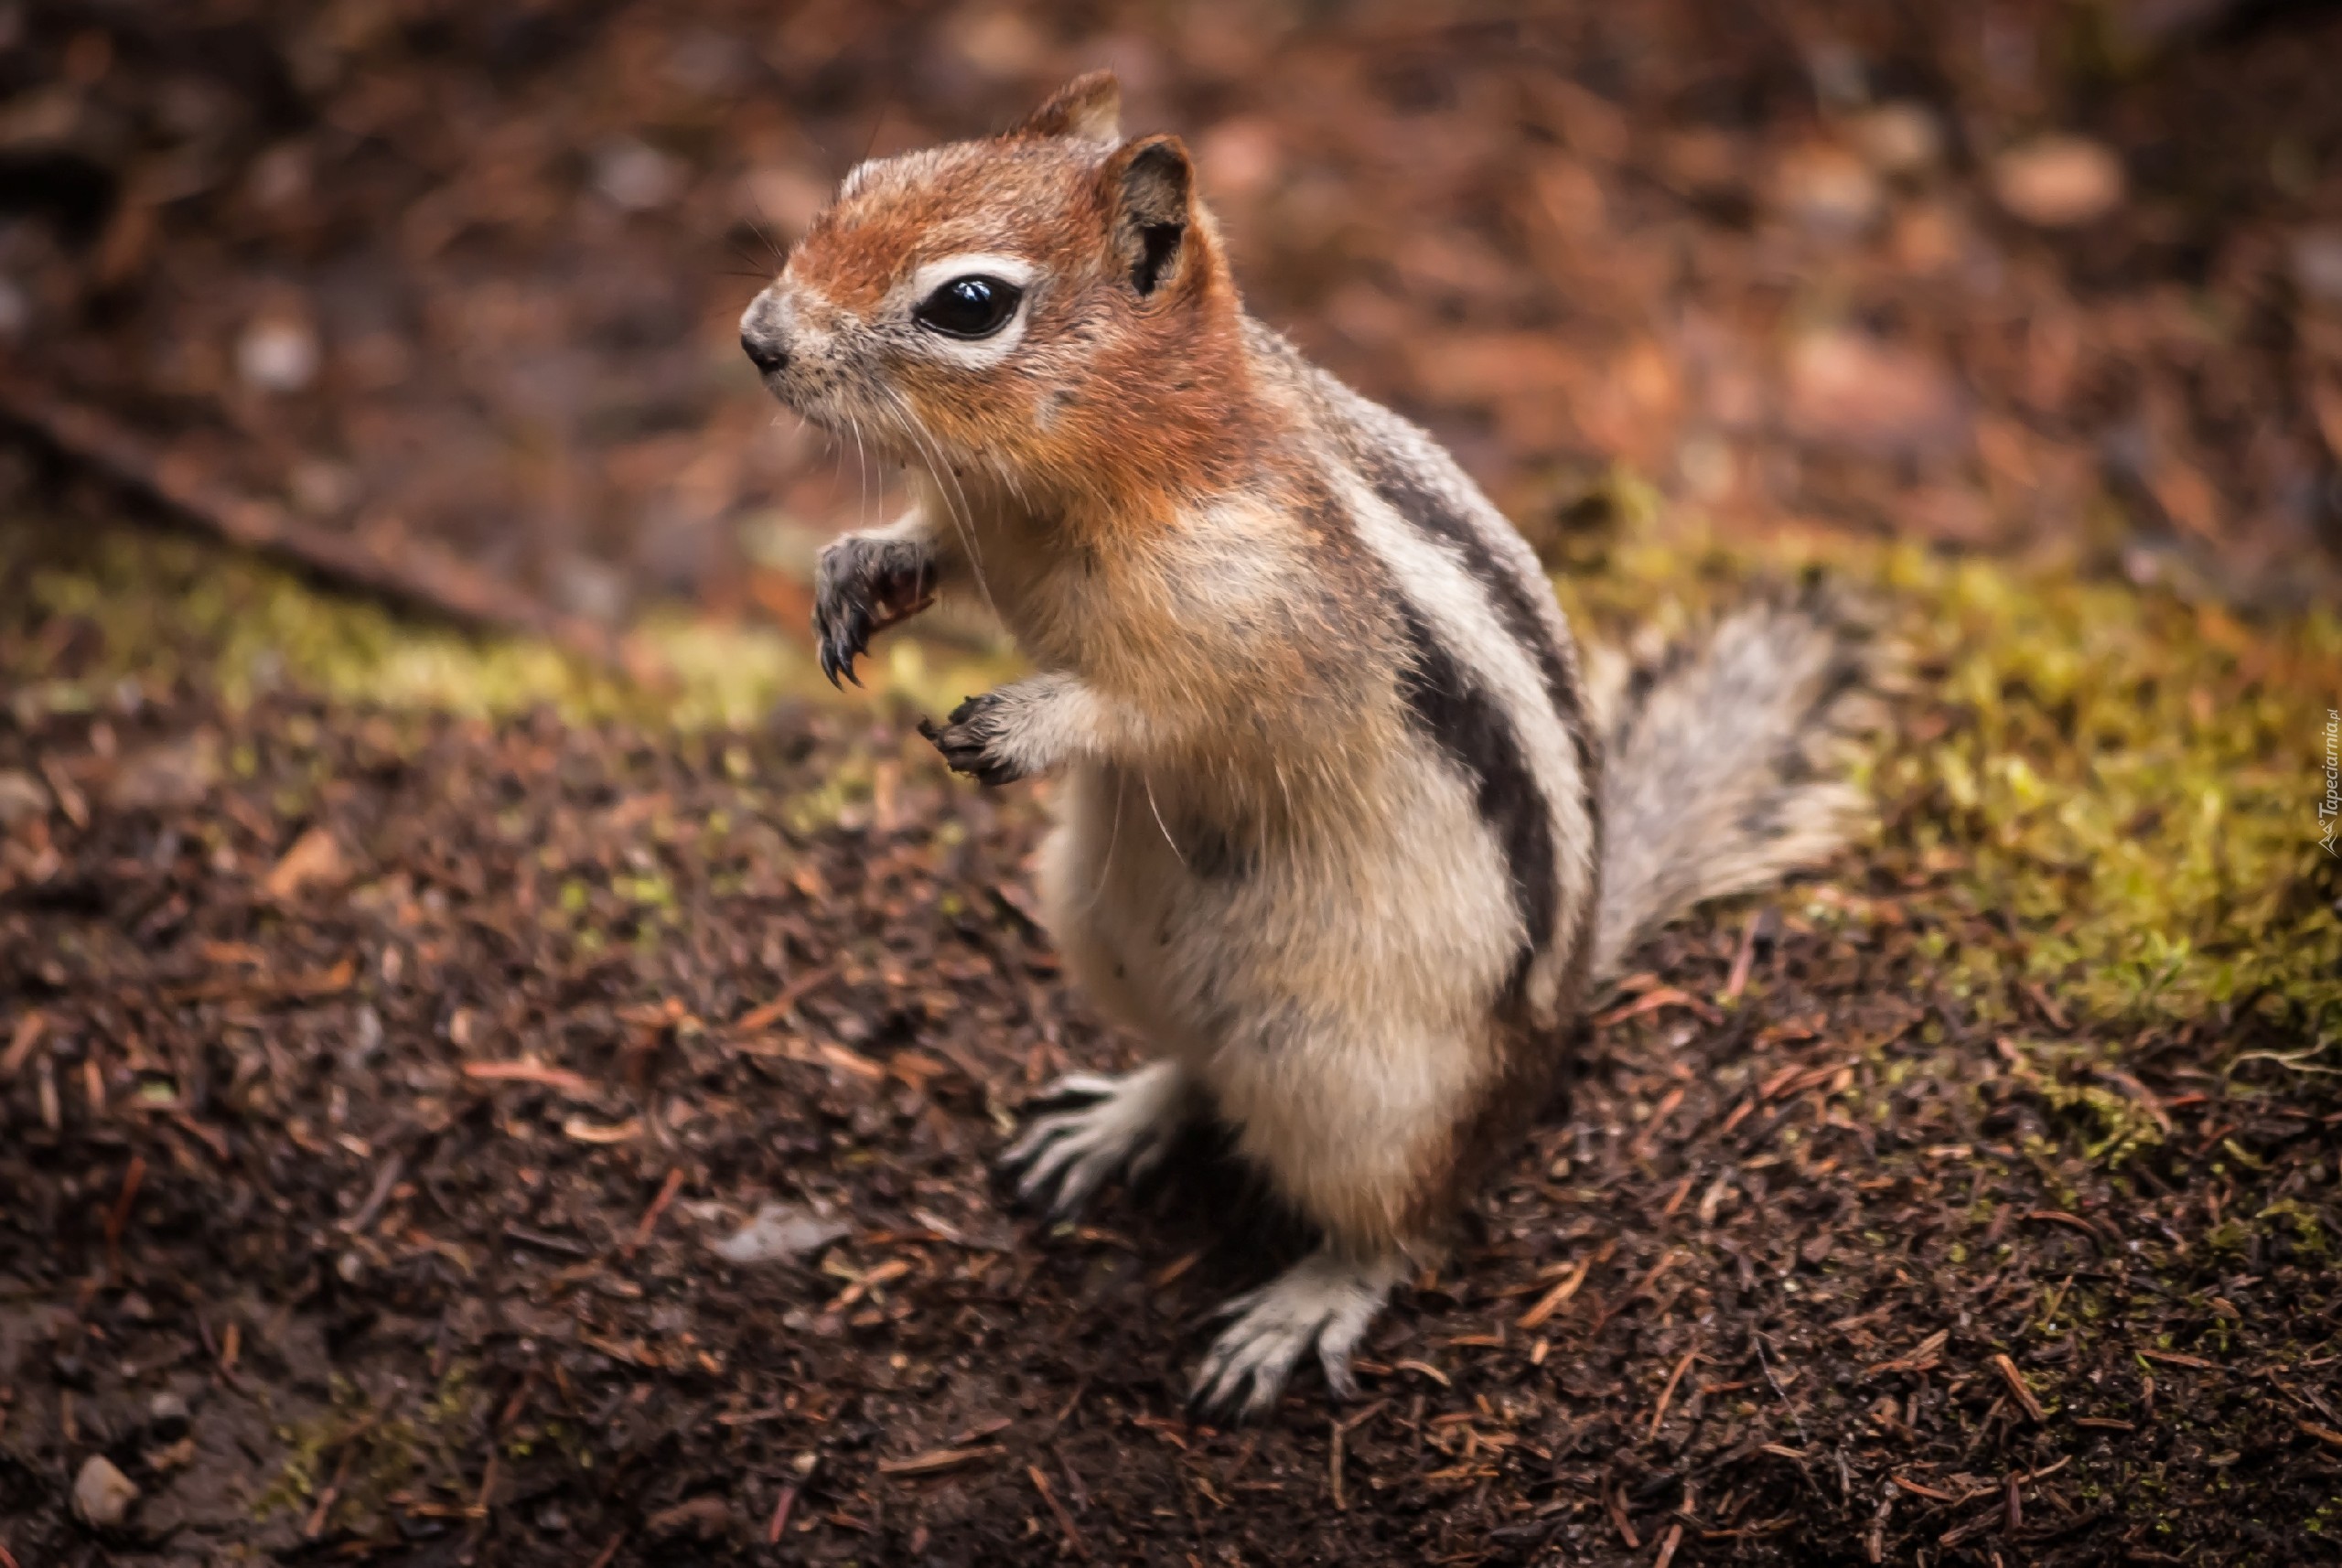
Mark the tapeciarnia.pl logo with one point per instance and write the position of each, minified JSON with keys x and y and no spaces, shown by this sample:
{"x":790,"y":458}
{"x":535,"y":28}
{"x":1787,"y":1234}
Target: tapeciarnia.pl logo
{"x":2329,"y":809}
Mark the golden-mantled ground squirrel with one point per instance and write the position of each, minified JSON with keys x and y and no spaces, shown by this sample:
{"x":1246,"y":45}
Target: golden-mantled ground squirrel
{"x":1340,"y":830}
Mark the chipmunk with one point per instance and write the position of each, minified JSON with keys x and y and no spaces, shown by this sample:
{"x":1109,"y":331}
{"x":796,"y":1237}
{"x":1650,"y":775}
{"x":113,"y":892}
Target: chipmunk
{"x":1340,"y":831}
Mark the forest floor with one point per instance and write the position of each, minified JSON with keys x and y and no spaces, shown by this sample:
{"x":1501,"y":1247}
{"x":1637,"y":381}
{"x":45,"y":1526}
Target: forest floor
{"x":395,"y":1093}
{"x":467,"y":1098}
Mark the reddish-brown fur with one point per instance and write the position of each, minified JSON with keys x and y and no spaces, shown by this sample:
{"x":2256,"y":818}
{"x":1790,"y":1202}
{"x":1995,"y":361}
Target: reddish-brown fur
{"x":1277,"y":621}
{"x":1162,"y":412}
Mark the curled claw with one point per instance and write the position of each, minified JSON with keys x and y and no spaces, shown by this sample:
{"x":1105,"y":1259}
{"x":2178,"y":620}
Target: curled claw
{"x":861,"y":587}
{"x":974,"y":740}
{"x":841,"y":633}
{"x":1109,"y":1125}
{"x":1323,"y":1304}
{"x":834,"y":663}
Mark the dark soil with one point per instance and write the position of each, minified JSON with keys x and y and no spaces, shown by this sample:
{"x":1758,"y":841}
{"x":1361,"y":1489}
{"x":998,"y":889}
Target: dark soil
{"x":379,"y":1085}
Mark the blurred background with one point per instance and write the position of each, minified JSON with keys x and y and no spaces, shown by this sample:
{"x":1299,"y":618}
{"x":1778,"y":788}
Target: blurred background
{"x":445,"y":293}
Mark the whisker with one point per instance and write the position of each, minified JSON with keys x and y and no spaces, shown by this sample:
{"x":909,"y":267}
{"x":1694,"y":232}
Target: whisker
{"x":861,"y":474}
{"x":1168,"y":839}
{"x":757,"y":226}
{"x":1113,"y":836}
{"x":963,"y":518}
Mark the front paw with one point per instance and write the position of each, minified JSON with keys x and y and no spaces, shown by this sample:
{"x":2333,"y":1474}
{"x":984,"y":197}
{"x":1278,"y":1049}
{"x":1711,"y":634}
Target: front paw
{"x":861,"y":587}
{"x":979,"y":739}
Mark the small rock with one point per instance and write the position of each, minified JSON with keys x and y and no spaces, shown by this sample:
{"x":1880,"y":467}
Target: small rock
{"x":21,"y":796}
{"x":278,"y":354}
{"x":166,"y":1457}
{"x":591,"y":589}
{"x":1827,"y":189}
{"x":176,"y":773}
{"x":704,"y":1517}
{"x":1848,"y":388}
{"x":102,"y":1494}
{"x":636,"y":177}
{"x":1901,"y":138}
{"x":2059,"y":182}
{"x":1929,"y":239}
{"x":365,"y":1036}
{"x":322,"y":488}
{"x":167,"y":1417}
{"x":2317,"y":270}
{"x":780,"y":1230}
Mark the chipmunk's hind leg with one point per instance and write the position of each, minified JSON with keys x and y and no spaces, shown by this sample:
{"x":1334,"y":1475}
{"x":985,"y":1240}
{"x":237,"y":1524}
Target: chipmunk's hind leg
{"x":1065,"y":1156}
{"x":1325,"y":1302}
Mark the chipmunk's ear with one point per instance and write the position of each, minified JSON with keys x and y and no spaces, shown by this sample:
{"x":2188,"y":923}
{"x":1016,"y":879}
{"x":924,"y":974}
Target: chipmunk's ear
{"x":1150,"y":192}
{"x":1088,"y":108}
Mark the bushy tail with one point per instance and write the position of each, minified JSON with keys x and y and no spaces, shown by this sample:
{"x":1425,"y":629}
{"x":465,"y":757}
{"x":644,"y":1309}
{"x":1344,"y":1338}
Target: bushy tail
{"x":1728,"y":758}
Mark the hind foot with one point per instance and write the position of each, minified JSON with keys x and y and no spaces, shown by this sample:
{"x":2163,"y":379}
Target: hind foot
{"x":1326,"y":1301}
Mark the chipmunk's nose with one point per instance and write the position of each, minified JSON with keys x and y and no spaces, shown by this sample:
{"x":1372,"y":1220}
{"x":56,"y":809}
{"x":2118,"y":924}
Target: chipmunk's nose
{"x":765,"y":353}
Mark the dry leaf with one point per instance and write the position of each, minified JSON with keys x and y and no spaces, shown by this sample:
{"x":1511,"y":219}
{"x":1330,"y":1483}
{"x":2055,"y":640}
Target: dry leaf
{"x":315,"y":860}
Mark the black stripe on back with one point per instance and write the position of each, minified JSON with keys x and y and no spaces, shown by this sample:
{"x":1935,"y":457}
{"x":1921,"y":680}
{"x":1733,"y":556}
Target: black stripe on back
{"x":1470,"y":729}
{"x":1430,"y":513}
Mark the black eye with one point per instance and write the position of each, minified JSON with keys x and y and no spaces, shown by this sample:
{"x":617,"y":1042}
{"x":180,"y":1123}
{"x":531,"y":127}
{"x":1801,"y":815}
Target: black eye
{"x":973,"y":307}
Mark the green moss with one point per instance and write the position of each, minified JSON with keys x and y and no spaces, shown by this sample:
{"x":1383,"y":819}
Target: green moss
{"x":2114,"y":1125}
{"x":2105,"y":793}
{"x":2232,"y":1235}
{"x":2106,"y":797}
{"x":2308,"y":1227}
{"x":650,"y":889}
{"x":367,"y":1453}
{"x":160,"y":608}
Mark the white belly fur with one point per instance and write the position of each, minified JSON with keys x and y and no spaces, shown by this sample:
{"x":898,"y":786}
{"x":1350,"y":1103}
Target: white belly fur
{"x":1335,"y":999}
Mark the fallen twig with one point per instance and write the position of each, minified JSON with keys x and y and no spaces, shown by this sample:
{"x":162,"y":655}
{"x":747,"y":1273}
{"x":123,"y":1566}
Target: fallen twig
{"x":416,"y":577}
{"x":1615,"y":1496}
{"x":29,"y":1029}
{"x":1065,"y":1520}
{"x":1653,"y":1001}
{"x":649,"y":1221}
{"x":755,"y":1020}
{"x":781,"y":1515}
{"x":1745,"y":958}
{"x":2015,"y":1381}
{"x":1553,"y":1300}
{"x":1659,"y":1412}
{"x":935,"y":1459}
{"x":577,"y":1085}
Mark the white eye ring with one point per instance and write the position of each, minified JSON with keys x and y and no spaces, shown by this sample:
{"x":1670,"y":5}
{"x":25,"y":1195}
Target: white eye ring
{"x":970,"y":307}
{"x":979,"y":351}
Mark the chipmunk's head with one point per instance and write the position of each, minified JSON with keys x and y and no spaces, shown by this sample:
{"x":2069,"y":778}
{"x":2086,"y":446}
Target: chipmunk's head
{"x":1041,"y":302}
